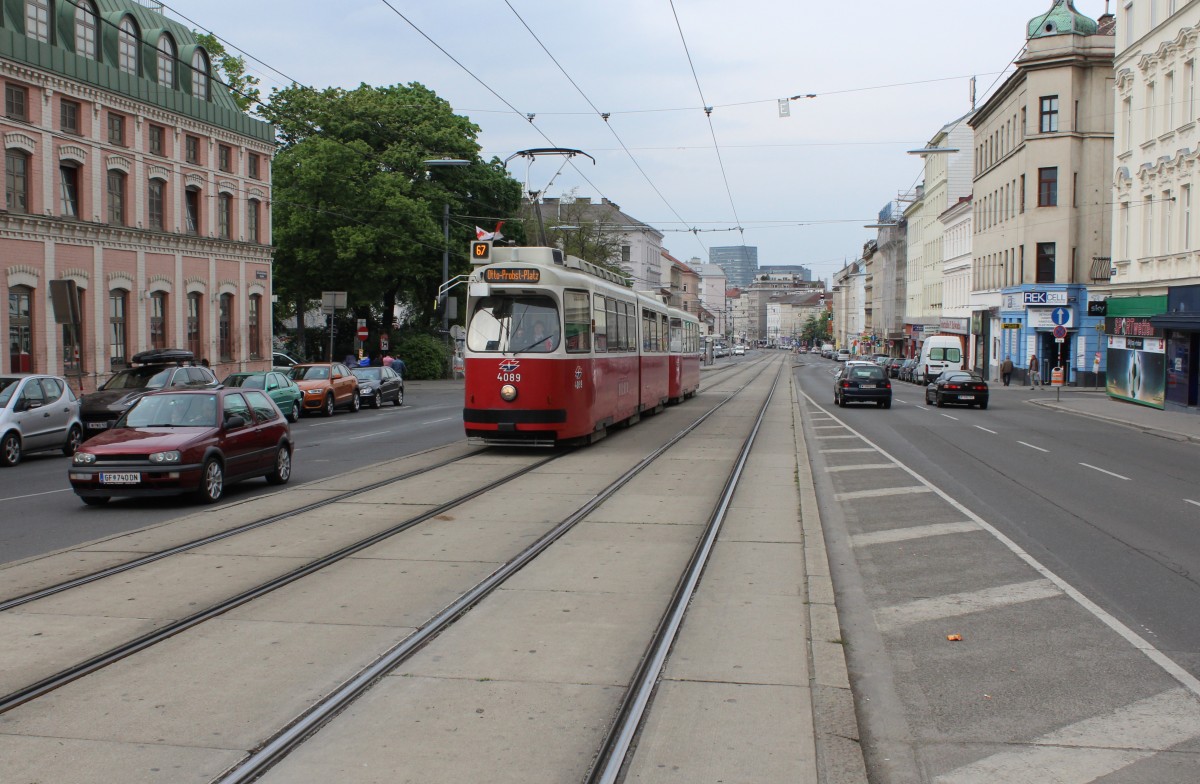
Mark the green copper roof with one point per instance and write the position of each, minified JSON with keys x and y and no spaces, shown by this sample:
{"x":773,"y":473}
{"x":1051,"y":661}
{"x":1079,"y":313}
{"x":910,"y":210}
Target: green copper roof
{"x":1062,"y":19}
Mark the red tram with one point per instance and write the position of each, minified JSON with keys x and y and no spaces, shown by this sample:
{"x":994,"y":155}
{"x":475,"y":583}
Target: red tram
{"x":559,"y":350}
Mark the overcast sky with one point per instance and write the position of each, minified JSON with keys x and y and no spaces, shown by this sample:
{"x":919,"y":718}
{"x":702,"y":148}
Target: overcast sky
{"x":887,"y":76}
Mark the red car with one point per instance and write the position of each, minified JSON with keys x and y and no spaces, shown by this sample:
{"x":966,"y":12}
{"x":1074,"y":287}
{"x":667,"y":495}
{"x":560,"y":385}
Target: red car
{"x":185,"y":441}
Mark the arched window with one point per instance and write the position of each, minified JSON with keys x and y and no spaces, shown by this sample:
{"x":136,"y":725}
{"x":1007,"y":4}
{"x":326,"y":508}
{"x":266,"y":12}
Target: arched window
{"x":37,"y":20}
{"x":16,"y":181}
{"x":166,"y":61}
{"x":85,"y":29}
{"x":191,"y":208}
{"x":158,"y":319}
{"x":127,"y":46}
{"x":193,"y":323}
{"x":200,"y":75}
{"x":118,"y":328}
{"x":72,"y":341}
{"x":253,"y":319}
{"x":225,"y":216}
{"x":156,"y":205}
{"x":20,"y":329}
{"x":253,"y":212}
{"x":225,"y":328}
{"x":116,"y":197}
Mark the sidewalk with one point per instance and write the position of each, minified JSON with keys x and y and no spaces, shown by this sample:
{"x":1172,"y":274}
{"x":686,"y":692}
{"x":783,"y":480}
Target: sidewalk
{"x":1175,"y":425}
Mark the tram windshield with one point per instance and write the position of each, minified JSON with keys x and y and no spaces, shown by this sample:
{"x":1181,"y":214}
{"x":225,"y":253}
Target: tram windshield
{"x":514,"y":325}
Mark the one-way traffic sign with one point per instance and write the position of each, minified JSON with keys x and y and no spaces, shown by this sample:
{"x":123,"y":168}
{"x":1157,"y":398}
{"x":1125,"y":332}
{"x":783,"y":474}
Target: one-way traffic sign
{"x":1060,"y":316}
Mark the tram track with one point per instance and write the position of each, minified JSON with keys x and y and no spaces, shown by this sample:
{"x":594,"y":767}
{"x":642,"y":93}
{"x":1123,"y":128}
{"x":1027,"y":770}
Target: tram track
{"x":89,"y":665}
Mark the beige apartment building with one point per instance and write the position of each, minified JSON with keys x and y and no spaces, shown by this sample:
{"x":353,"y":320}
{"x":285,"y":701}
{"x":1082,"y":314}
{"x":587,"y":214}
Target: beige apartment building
{"x":1041,"y":220}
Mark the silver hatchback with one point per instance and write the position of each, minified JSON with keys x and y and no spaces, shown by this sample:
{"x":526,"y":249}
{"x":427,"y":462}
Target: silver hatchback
{"x":37,"y":413}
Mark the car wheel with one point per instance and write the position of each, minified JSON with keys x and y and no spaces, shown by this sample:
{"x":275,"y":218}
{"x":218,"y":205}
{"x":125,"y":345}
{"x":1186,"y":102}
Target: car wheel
{"x":355,"y":403}
{"x":879,"y":404}
{"x":399,"y":401}
{"x":928,"y":402}
{"x":842,"y":401}
{"x":940,"y":402}
{"x":95,"y":501}
{"x":10,"y":449}
{"x":74,"y":439}
{"x":887,"y":404}
{"x":327,"y":409}
{"x":212,"y":481}
{"x":282,"y":470}
{"x":983,"y":405}
{"x":294,"y":414}
{"x":377,"y":401}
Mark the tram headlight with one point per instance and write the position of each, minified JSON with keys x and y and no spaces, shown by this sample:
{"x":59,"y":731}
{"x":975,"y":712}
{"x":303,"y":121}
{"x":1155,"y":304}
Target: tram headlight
{"x":508,"y":393}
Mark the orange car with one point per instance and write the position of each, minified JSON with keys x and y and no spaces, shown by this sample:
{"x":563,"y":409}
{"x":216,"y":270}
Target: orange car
{"x":326,"y":386}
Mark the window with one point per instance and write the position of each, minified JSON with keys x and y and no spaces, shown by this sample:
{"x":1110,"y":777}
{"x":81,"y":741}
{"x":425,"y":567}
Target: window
{"x":68,"y":178}
{"x":200,"y":75}
{"x":1048,"y":186}
{"x":193,"y":324}
{"x":1049,"y":114}
{"x":118,"y":334}
{"x":252,"y":165}
{"x":158,"y":138}
{"x":192,"y":149}
{"x":155,"y":205}
{"x":15,"y":102}
{"x":1125,"y":230}
{"x":20,"y":329}
{"x":1169,"y":107}
{"x":85,"y":29}
{"x":1148,"y":227}
{"x":1127,"y":114}
{"x":254,"y":305}
{"x":224,"y":215}
{"x":158,"y":319}
{"x":127,"y":46}
{"x":577,"y":313}
{"x":1189,"y":96}
{"x":1185,"y":198}
{"x":625,"y":254}
{"x":1045,"y":262}
{"x":16,"y":181}
{"x":116,"y":129}
{"x":1150,"y":110}
{"x":225,"y":328}
{"x":68,"y":116}
{"x":1167,"y":217}
{"x":166,"y":61}
{"x":224,"y":157}
{"x":1127,"y":25}
{"x":1022,"y":194}
{"x":601,"y":323}
{"x":116,"y":197}
{"x":252,"y":214}
{"x":72,"y":339}
{"x":191,"y":204}
{"x":37,"y":20}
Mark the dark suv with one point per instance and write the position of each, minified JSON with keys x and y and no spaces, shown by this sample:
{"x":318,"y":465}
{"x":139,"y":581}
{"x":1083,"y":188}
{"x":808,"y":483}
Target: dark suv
{"x":149,"y":371}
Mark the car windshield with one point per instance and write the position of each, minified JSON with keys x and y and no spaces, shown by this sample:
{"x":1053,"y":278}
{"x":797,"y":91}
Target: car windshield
{"x":310,"y":372}
{"x":514,"y":324}
{"x":368,"y":373}
{"x":866,"y":372}
{"x":248,"y":382}
{"x":181,"y":410}
{"x":147,"y":377}
{"x":7,"y":387}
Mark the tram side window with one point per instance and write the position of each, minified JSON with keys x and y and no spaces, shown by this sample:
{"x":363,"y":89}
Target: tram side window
{"x":577,"y":312}
{"x":600,"y":316}
{"x":664,"y":332}
{"x":647,"y":330}
{"x":614,"y":326}
{"x":676,"y":336}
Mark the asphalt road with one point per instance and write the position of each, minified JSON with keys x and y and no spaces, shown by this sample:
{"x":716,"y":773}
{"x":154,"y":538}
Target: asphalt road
{"x":1112,"y":511}
{"x":41,"y":514}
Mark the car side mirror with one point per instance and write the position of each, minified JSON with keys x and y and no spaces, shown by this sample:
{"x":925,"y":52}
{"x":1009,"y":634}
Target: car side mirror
{"x":24,"y":404}
{"x":234,"y":422}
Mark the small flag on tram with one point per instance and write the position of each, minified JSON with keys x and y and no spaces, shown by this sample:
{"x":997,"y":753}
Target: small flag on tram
{"x":480,"y":234}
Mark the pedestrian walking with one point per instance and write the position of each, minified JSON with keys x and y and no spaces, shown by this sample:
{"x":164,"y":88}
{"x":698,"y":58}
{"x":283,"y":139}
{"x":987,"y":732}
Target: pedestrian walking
{"x":1006,"y":369}
{"x":387,"y":359}
{"x":399,"y":366}
{"x":1034,"y":374}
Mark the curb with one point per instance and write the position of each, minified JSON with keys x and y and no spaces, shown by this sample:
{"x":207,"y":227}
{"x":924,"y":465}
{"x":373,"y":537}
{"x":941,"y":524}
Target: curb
{"x":1154,"y":431}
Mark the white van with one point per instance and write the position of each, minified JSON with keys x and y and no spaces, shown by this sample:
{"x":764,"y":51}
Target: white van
{"x":938,"y":353}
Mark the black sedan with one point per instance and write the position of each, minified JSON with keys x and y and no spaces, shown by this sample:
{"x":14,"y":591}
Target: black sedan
{"x":864,"y":383}
{"x":957,"y":386}
{"x":378,"y":385}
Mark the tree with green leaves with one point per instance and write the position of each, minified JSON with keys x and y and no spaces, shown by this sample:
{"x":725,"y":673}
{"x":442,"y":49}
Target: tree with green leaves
{"x":576,"y":229}
{"x":357,"y":209}
{"x":241,"y":85}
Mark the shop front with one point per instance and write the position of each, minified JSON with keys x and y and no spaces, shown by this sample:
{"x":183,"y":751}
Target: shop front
{"x":1050,"y":326}
{"x":1137,"y":350}
{"x":1181,"y":326}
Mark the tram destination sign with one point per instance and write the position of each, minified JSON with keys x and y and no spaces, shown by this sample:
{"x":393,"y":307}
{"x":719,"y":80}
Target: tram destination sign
{"x":504,"y":275}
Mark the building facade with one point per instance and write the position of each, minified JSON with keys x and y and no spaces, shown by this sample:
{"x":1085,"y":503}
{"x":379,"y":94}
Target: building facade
{"x":136,"y":184}
{"x":956,"y":290}
{"x":740,"y":263}
{"x":713,"y":288}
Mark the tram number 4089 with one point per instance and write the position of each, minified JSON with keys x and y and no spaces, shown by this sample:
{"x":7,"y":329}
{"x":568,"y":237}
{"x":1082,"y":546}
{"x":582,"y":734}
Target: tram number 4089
{"x":511,"y":378}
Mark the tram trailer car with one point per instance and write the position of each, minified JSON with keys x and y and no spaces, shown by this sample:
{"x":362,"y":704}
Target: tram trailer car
{"x":559,"y":350}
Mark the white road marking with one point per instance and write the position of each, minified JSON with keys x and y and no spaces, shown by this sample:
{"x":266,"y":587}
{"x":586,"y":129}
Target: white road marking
{"x":1094,"y":748}
{"x":881,"y":492}
{"x":34,"y":495}
{"x":956,"y":604}
{"x":1190,"y":501}
{"x":372,"y":435}
{"x":984,"y":429}
{"x":862,"y":467}
{"x":827,"y":427}
{"x":916,"y":532}
{"x":1031,"y":446}
{"x":827,"y":438}
{"x":950,"y":417}
{"x":1110,"y":473}
{"x":844,"y":451}
{"x":1168,"y":665}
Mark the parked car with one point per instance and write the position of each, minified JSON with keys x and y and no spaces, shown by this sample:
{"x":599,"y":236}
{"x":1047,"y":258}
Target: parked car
{"x":326,"y":386}
{"x":739,"y":350}
{"x":148,"y":371}
{"x":905,"y":373}
{"x":893,"y":367}
{"x":378,"y":385}
{"x":842,"y":355}
{"x":185,"y":441}
{"x":281,"y":361}
{"x":37,"y":413}
{"x":863,"y":382}
{"x":957,"y":386}
{"x":282,"y":390}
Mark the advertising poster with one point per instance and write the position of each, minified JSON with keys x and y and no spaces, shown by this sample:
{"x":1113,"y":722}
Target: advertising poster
{"x":1137,"y":367}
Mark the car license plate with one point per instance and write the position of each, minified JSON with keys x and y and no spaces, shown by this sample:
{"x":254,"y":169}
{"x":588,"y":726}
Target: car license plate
{"x":966,"y":397}
{"x":126,"y":478}
{"x":866,"y":386}
{"x":97,"y":425}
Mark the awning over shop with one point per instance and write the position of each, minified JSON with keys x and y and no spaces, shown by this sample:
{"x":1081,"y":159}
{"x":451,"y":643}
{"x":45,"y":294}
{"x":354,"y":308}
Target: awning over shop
{"x":1180,"y":322}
